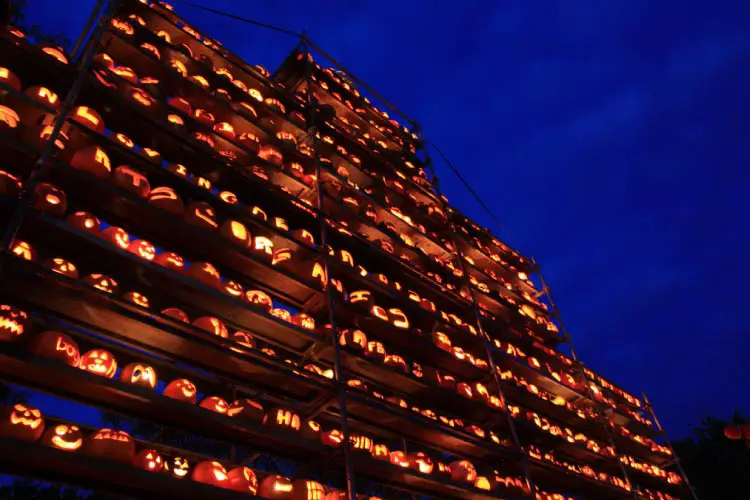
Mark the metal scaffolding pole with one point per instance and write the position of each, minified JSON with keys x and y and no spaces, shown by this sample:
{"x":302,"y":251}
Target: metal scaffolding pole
{"x":478,"y":318}
{"x":323,"y":248}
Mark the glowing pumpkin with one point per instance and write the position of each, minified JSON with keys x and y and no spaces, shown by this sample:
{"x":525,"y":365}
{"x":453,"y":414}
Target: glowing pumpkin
{"x":149,"y":459}
{"x":63,"y":437}
{"x":110,"y":444}
{"x":99,"y":362}
{"x":181,"y":389}
{"x":21,"y":421}
{"x":210,"y":472}
{"x":57,"y":346}
{"x":139,"y":374}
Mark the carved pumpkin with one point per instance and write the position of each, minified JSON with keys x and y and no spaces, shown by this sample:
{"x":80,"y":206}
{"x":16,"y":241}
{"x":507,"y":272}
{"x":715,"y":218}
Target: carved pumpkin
{"x":201,"y":214}
{"x":10,"y":185}
{"x":420,"y":462}
{"x":361,"y":443}
{"x":463,"y":471}
{"x":236,"y":232}
{"x":21,"y":421}
{"x":89,"y":118}
{"x":181,"y":389}
{"x":85,"y":222}
{"x":92,"y":159}
{"x":212,"y":325}
{"x":49,"y":199}
{"x":205,"y":273}
{"x":117,"y":236}
{"x":13,"y":322}
{"x":244,"y":339}
{"x":10,"y":79}
{"x":143,"y":249}
{"x":259,"y":299}
{"x":170,"y":260}
{"x":176,"y":313}
{"x":62,"y":266}
{"x":276,"y":487}
{"x":246,"y":409}
{"x":64,"y":437}
{"x":354,"y":339}
{"x":138,"y":299}
{"x":282,"y":419}
{"x":215,"y":404}
{"x":139,"y":374}
{"x":166,"y":199}
{"x":149,"y":459}
{"x":380,"y":452}
{"x":210,"y":472}
{"x":232,"y":288}
{"x":177,"y":467}
{"x":99,"y":362}
{"x":244,"y":480}
{"x":110,"y":444}
{"x":375,"y":351}
{"x":304,"y":321}
{"x":304,"y":489}
{"x":132,"y":180}
{"x":332,"y":438}
{"x":58,"y":346}
{"x":310,"y":430}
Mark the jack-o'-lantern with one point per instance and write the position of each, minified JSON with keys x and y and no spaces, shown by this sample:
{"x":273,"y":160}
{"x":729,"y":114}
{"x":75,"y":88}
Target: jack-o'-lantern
{"x":99,"y":362}
{"x":117,"y":236}
{"x":282,"y":314}
{"x":10,"y":185}
{"x":49,"y":199}
{"x":149,"y":459}
{"x":310,"y":430}
{"x":139,"y":374}
{"x":56,"y":53}
{"x":225,"y":129}
{"x":171,"y":261}
{"x":10,"y":79}
{"x":205,"y":273}
{"x":24,"y":250}
{"x":21,"y":421}
{"x":304,"y":235}
{"x":85,"y":222}
{"x":304,"y":489}
{"x":58,"y":346}
{"x":398,"y":457}
{"x":215,"y":404}
{"x":132,"y":180}
{"x":232,"y":288}
{"x":286,"y":138}
{"x":361,"y":299}
{"x":110,"y":444}
{"x":212,"y":325}
{"x":250,"y":142}
{"x":228,"y":197}
{"x":236,"y":232}
{"x":246,"y":409}
{"x":396,"y":361}
{"x":176,"y":313}
{"x":281,"y":256}
{"x":398,"y":318}
{"x":304,"y":321}
{"x":464,"y":389}
{"x":151,"y":155}
{"x":138,"y":299}
{"x":442,"y":341}
{"x":43,"y":95}
{"x":165,"y":198}
{"x":263,"y":247}
{"x":204,"y":117}
{"x":178,"y":169}
{"x":463,"y":471}
{"x":201,"y":214}
{"x":361,"y":443}
{"x":380,"y":452}
{"x":420,"y":462}
{"x":481,"y":393}
{"x":259,"y":299}
{"x":319,"y":273}
{"x":210,"y":472}
{"x":440,"y":378}
{"x":143,"y":249}
{"x":13,"y":322}
{"x":202,"y":182}
{"x":379,"y":312}
{"x":332,"y":438}
{"x":282,"y":419}
{"x":181,"y":104}
{"x":177,"y":467}
{"x":181,"y":389}
{"x":244,"y":339}
{"x":353,"y":339}
{"x":376,"y":351}
{"x":244,"y":480}
{"x":89,"y":118}
{"x":258,"y":213}
{"x":276,"y":487}
{"x":64,"y":437}
{"x":271,"y":155}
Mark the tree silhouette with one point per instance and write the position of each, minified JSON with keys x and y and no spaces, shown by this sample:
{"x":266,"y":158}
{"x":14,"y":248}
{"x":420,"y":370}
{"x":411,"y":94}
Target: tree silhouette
{"x":718,"y":469}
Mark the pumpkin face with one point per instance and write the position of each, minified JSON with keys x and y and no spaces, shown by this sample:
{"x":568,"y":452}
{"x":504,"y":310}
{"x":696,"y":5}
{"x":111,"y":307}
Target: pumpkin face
{"x":181,"y":389}
{"x":58,"y":346}
{"x":101,"y":282}
{"x":99,"y":362}
{"x":62,"y":266}
{"x":23,"y":250}
{"x":210,"y":472}
{"x":13,"y":323}
{"x":212,"y":325}
{"x":170,"y":261}
{"x":64,"y":437}
{"x":177,"y":467}
{"x":139,"y":374}
{"x":132,"y":180}
{"x":117,"y":236}
{"x":215,"y":404}
{"x":143,"y":249}
{"x":150,"y":460}
{"x":49,"y":199}
{"x":137,"y":298}
{"x":21,"y":421}
{"x":246,"y":409}
{"x":463,"y":471}
{"x":304,"y":321}
{"x":420,"y":462}
{"x":276,"y":487}
{"x":204,"y":273}
{"x":259,"y":299}
{"x":244,"y":480}
{"x":111,"y":444}
{"x":282,"y":419}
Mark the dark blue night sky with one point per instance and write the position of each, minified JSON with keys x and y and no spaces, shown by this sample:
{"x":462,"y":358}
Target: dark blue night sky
{"x":609,"y":137}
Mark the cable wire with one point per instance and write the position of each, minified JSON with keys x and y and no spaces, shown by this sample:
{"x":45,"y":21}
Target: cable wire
{"x":238,"y":18}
